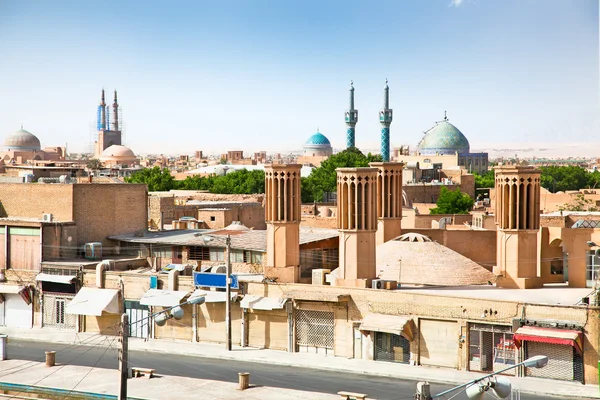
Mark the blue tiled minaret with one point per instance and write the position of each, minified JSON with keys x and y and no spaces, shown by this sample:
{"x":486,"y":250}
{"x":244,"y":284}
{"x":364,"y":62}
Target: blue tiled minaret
{"x":385,"y":118}
{"x":351,"y":120}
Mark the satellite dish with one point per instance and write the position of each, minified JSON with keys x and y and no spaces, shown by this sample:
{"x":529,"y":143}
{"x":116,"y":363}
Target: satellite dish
{"x":177,"y":313}
{"x":161,"y":319}
{"x":499,"y":385}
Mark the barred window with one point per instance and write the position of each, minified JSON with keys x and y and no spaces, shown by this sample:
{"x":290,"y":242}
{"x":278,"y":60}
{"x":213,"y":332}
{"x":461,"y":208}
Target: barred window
{"x":198,"y":253}
{"x":59,"y":311}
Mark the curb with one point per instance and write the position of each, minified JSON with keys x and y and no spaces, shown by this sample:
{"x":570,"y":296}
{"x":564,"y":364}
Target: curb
{"x":50,"y":391}
{"x":429,"y":378}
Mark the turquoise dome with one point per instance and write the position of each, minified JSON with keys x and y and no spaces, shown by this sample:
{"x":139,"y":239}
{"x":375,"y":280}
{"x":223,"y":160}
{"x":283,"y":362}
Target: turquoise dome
{"x":444,"y":138}
{"x":318,"y":139}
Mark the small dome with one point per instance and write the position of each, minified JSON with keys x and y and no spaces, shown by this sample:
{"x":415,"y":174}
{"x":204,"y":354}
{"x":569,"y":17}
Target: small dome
{"x":444,"y":138}
{"x":424,"y":262}
{"x":116,"y":151}
{"x":413,"y":237}
{"x":22,"y":140}
{"x":318,"y":139}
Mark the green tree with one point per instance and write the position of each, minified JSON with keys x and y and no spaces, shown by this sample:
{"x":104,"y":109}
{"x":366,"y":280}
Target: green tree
{"x":157,"y":180}
{"x":560,"y":179}
{"x":323,"y":179}
{"x":453,"y":202}
{"x":239,"y":182}
{"x":484,"y":181}
{"x":94,"y":164}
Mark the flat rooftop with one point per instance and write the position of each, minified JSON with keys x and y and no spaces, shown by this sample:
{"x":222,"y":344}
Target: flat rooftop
{"x":554,"y":294}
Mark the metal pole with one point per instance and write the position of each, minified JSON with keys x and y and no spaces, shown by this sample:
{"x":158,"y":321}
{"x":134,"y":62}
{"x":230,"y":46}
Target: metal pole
{"x":123,"y":364}
{"x":228,"y":294}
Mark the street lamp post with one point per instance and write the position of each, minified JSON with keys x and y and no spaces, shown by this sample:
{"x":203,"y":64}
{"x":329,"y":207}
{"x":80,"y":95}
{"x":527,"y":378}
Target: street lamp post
{"x":475,"y":389}
{"x":228,"y":293}
{"x":160,"y":318}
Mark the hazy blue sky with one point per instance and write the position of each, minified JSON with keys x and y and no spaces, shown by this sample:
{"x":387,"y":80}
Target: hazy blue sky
{"x":258,"y":74}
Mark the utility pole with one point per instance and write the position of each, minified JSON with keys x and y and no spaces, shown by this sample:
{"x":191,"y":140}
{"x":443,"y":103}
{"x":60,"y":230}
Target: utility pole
{"x":123,"y":364}
{"x":228,"y":293}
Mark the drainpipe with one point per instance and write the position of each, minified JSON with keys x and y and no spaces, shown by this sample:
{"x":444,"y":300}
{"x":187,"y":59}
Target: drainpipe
{"x":194,"y":323}
{"x":289,"y":306}
{"x":6,"y":254}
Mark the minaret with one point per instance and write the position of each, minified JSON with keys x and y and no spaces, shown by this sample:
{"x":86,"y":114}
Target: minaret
{"x":385,"y":118}
{"x":351,"y":120}
{"x":102,"y":113}
{"x":518,"y":221}
{"x":116,"y":114}
{"x":282,"y":215}
{"x":357,"y":224}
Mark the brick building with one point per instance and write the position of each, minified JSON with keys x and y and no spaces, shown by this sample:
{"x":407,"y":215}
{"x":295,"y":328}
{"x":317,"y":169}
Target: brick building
{"x":52,"y":223}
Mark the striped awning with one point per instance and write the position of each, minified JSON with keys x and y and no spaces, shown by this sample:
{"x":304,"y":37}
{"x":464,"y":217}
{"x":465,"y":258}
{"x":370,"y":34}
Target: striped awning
{"x":549,"y":335}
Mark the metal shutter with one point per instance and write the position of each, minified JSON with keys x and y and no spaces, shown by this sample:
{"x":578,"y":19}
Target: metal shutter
{"x":438,"y":343}
{"x":561,"y":362}
{"x":315,"y":331}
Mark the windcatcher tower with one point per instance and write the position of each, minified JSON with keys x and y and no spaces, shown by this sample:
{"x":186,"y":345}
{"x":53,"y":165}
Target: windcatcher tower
{"x":351,"y":120}
{"x":357,"y":224}
{"x":385,"y":118}
{"x":389,"y":200}
{"x":282,"y":214}
{"x":518,"y":220}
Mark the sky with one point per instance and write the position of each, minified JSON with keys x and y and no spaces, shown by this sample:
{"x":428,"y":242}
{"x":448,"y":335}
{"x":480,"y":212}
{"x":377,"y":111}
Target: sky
{"x":266,"y":74}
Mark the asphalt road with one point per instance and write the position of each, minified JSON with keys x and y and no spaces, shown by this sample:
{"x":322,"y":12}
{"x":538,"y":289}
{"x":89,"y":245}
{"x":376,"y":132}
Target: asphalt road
{"x":227,"y":370}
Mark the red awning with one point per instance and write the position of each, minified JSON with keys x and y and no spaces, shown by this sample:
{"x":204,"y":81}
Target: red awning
{"x":549,"y":335}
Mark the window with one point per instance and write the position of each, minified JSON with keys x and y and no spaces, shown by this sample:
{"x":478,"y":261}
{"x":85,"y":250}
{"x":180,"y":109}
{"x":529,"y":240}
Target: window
{"x":213,"y":218}
{"x":237,"y":256}
{"x":491,"y":348}
{"x":59,"y":311}
{"x":198,"y":253}
{"x":162,"y":251}
{"x":592,"y":270}
{"x":217,"y":254}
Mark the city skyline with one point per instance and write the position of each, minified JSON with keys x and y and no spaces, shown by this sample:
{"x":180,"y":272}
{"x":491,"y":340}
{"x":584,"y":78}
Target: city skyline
{"x":262,"y":76}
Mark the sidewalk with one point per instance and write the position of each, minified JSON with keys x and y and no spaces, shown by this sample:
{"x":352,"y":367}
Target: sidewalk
{"x":105,"y":382}
{"x":273,"y":357}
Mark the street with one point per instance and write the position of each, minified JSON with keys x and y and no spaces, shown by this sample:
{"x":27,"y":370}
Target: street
{"x":104,"y":356}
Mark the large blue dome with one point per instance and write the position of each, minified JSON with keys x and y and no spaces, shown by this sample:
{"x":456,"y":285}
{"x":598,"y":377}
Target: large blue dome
{"x":318,"y":139}
{"x":444,"y":138}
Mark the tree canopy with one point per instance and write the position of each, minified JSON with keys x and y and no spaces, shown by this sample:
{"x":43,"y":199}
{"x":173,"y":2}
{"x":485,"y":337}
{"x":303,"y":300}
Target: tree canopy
{"x":452,"y":202}
{"x":94,"y":164}
{"x":237,"y":182}
{"x":560,"y":179}
{"x":484,"y":181}
{"x":157,"y":180}
{"x":323,"y":179}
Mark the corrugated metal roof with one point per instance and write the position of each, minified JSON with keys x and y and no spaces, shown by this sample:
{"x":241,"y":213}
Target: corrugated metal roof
{"x":242,"y":240}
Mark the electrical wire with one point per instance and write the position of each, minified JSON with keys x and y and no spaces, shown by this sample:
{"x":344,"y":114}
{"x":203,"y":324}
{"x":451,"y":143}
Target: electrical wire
{"x":91,"y":369}
{"x":60,"y":367}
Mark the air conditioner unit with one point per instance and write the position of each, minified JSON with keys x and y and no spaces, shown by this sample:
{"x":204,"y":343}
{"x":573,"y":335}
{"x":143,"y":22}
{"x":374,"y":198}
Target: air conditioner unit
{"x":383,"y":284}
{"x":318,"y":276}
{"x":47,"y":217}
{"x":93,"y":251}
{"x":377,"y":283}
